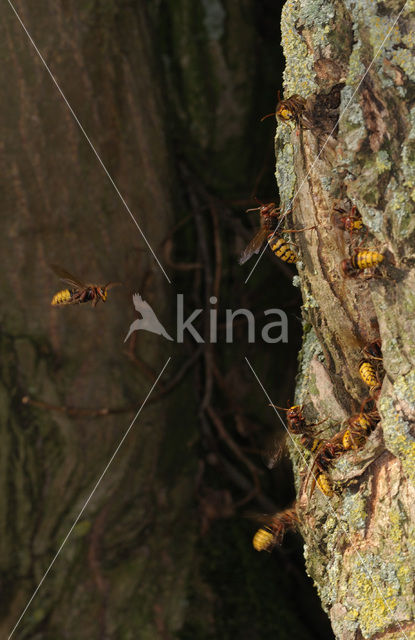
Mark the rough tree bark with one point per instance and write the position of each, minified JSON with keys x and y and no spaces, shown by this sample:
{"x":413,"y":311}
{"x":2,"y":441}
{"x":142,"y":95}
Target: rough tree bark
{"x":58,"y":206}
{"x":359,"y":544}
{"x":132,"y":567}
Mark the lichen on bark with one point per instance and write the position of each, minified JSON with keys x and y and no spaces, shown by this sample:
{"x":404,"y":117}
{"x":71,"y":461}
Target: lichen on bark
{"x":359,"y":544}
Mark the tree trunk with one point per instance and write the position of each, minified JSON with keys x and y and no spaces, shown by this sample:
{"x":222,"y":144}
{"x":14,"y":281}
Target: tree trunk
{"x":359,"y":543}
{"x":60,"y":207}
{"x":169,"y":93}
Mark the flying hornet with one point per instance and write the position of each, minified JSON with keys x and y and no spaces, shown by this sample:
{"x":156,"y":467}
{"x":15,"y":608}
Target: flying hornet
{"x":268,"y":232}
{"x":79,"y":292}
{"x":276,"y":525}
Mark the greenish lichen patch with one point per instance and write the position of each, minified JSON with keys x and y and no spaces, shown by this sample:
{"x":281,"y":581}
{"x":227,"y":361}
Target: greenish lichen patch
{"x":409,"y":305}
{"x":396,"y":425}
{"x":307,"y":384}
{"x":356,"y":67}
{"x":408,"y":168}
{"x":284,"y":172}
{"x":383,"y":161}
{"x":404,"y":58}
{"x":316,"y":14}
{"x":318,"y":17}
{"x":404,"y":389}
{"x":354,"y":510}
{"x":299,"y":74}
{"x":351,"y":127}
{"x":381,"y":27}
{"x":374,"y":590}
{"x":373,"y":218}
{"x":400,"y":207}
{"x":326,"y":182}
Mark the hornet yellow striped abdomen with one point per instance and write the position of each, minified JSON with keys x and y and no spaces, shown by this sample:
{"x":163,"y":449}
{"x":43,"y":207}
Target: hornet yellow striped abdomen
{"x":263,"y":540}
{"x":366,"y":259}
{"x":62,"y":297}
{"x":364,"y":423}
{"x":269,"y":214}
{"x":359,"y":429}
{"x":324,"y":484}
{"x":368,"y":373}
{"x":353,"y":440}
{"x":276,"y":526}
{"x":282,"y":249}
{"x":360,"y":261}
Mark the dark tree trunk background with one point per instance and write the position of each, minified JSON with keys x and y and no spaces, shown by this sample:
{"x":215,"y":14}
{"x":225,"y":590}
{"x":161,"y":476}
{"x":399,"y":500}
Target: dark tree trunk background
{"x":170,"y":94}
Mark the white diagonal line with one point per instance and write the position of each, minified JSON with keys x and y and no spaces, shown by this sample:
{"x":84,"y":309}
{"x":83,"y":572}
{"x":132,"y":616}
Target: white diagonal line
{"x":365,"y":568}
{"x":88,"y":140}
{"x":331,"y":134}
{"x":88,"y":499}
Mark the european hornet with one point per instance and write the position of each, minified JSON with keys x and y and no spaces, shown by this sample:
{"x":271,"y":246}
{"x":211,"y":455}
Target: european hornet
{"x":369,"y":375}
{"x":276,"y":526}
{"x":289,"y":110}
{"x":297,"y":425}
{"x":295,"y":419}
{"x":359,"y":429}
{"x":360,"y":261}
{"x":79,"y":291}
{"x":269,"y":210}
{"x":327,"y":452}
{"x":325,"y":484}
{"x":353,"y":437}
{"x":350,"y":221}
{"x":268,"y":232}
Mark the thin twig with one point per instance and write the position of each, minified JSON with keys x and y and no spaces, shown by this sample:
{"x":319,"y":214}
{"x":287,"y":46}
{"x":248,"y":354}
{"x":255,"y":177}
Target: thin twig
{"x":81,"y":412}
{"x":224,"y":435}
{"x":218,"y":252}
{"x":76,"y":412}
{"x":240,"y":481}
